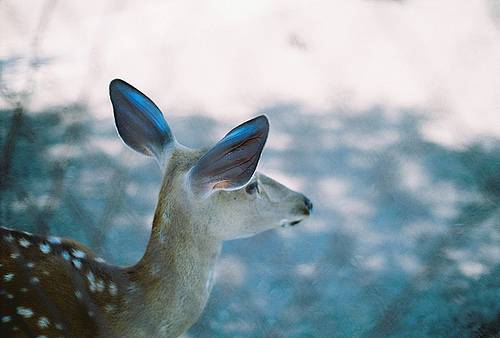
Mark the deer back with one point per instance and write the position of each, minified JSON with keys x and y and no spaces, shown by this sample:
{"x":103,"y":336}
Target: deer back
{"x":50,"y":287}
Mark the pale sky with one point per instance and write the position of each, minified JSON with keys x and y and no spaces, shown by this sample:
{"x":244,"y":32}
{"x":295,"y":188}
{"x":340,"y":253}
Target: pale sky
{"x":230,"y":59}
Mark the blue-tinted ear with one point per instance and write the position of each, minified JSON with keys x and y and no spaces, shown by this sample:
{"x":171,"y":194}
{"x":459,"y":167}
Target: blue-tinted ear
{"x":230,"y":164}
{"x":139,"y":121}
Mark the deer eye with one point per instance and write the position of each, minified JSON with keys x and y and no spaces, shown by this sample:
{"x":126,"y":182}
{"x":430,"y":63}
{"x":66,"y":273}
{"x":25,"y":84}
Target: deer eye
{"x":252,"y":188}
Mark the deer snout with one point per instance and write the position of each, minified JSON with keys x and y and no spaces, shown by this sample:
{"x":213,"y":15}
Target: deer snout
{"x":304,"y":205}
{"x":308,"y":204}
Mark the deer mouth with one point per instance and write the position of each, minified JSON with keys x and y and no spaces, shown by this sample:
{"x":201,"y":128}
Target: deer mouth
{"x":287,"y":223}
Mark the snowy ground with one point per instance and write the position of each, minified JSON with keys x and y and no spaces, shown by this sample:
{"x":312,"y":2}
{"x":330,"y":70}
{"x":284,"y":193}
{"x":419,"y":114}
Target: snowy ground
{"x":385,"y":113}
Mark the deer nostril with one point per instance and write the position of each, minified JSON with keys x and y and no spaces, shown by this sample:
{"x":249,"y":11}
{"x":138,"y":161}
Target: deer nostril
{"x":308,"y":203}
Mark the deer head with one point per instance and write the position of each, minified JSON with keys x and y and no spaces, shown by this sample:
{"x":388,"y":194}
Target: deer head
{"x":217,"y":189}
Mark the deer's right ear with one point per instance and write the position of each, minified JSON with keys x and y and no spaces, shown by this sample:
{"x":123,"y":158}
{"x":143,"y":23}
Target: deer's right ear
{"x":139,"y":121}
{"x":231,"y":163}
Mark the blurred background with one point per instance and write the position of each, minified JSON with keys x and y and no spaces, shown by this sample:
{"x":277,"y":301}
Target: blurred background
{"x":385,"y":113}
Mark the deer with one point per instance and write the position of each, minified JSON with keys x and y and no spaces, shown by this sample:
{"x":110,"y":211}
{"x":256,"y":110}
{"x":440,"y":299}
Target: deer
{"x":57,"y":287}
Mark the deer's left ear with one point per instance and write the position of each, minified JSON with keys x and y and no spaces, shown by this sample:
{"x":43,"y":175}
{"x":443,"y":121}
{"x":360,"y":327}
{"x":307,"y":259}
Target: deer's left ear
{"x":139,"y":121}
{"x":231,"y":163}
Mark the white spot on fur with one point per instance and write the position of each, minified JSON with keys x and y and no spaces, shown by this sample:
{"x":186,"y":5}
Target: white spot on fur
{"x":90,"y":277}
{"x":54,"y":240}
{"x":14,"y":255}
{"x":8,"y":277}
{"x":92,"y":283}
{"x":113,"y":289}
{"x":9,"y":296}
{"x":45,"y":272}
{"x":45,"y":248}
{"x":34,"y":280}
{"x":41,"y":337}
{"x":77,"y":263}
{"x":59,"y":326}
{"x":78,"y":253}
{"x":43,"y":322}
{"x":91,"y":313}
{"x":78,"y":294}
{"x":24,"y":242}
{"x":24,"y":311}
{"x":30,"y":265}
{"x":100,"y":260}
{"x":6,"y":319}
{"x":66,"y":255}
{"x":100,"y":286}
{"x":9,"y":238}
{"x":27,"y":233}
{"x":24,"y":290}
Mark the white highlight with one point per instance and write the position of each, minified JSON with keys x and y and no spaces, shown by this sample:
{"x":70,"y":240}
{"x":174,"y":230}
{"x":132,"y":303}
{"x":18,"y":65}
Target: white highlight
{"x":113,"y":289}
{"x":9,"y":238}
{"x":8,"y":277}
{"x":66,"y":255}
{"x":100,"y":285}
{"x":92,"y":282}
{"x":24,"y":242}
{"x":43,"y":322}
{"x":100,"y":260}
{"x":77,"y":263}
{"x":24,"y":311}
{"x":6,"y":319}
{"x":45,"y":248}
{"x":78,"y":253}
{"x":54,"y":240}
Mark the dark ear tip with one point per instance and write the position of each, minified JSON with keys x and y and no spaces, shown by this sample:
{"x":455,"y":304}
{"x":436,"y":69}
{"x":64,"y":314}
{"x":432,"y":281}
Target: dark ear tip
{"x":262,"y":122}
{"x":115,"y":84}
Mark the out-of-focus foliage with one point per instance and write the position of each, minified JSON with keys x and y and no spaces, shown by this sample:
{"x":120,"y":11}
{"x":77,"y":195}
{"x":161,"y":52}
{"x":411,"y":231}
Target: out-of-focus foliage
{"x":404,"y":240}
{"x":410,"y":244}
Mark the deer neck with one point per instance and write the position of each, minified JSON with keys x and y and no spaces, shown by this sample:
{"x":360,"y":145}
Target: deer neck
{"x":171,"y":283}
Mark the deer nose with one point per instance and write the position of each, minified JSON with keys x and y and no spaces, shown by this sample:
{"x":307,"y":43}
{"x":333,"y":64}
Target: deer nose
{"x":308,"y":204}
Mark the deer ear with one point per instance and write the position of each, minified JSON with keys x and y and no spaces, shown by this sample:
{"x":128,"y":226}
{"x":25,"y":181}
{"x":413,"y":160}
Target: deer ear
{"x":139,"y":121}
{"x":230,"y":164}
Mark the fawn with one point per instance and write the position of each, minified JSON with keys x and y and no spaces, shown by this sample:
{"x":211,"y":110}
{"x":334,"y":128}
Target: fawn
{"x":53,"y":287}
